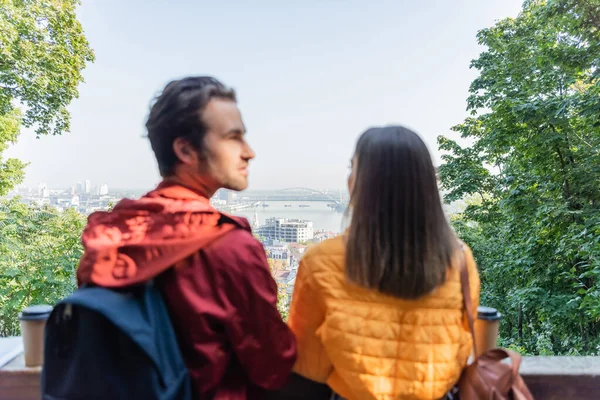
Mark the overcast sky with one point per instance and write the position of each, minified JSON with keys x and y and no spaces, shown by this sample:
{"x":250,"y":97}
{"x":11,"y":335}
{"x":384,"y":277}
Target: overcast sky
{"x":310,"y":78}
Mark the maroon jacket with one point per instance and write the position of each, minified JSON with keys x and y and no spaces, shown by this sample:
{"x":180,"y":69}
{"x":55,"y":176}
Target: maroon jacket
{"x":215,"y":281}
{"x":222,"y":303}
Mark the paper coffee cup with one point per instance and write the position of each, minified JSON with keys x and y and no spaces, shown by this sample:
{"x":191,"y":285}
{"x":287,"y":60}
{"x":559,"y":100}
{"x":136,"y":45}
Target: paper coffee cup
{"x":33,"y":324}
{"x":486,"y":328}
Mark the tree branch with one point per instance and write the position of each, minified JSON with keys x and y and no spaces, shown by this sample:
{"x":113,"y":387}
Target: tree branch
{"x":566,"y":185}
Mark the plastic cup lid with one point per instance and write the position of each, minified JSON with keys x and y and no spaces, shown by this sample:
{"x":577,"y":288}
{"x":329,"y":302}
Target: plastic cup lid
{"x":488,"y":313}
{"x":35,"y":312}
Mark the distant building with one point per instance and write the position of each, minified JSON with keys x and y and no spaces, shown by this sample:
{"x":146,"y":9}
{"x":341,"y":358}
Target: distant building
{"x":226,"y":195}
{"x":323,"y":235}
{"x":87,"y":187}
{"x":277,"y":250}
{"x":255,"y":222}
{"x":287,"y":230}
{"x":284,"y":276}
{"x":41,"y":189}
{"x":103,"y":189}
{"x":297,"y":248}
{"x":216,"y":202}
{"x":231,"y":196}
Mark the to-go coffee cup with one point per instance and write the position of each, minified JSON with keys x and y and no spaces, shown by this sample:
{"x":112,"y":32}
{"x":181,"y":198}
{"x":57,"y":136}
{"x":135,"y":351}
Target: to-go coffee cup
{"x":33,"y":323}
{"x":486,"y":328}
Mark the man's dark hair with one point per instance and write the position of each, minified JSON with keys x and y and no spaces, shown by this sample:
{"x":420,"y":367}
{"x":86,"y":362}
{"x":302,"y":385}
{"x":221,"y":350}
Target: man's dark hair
{"x":399,"y":241}
{"x":177,"y":113}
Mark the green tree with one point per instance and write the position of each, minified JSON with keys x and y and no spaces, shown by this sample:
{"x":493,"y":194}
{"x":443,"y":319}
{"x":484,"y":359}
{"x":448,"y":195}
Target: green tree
{"x":531,"y":171}
{"x":39,"y":252}
{"x":42,"y":53}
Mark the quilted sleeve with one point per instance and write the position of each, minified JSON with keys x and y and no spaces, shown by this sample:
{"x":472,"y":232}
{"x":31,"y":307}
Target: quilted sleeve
{"x":307,"y":313}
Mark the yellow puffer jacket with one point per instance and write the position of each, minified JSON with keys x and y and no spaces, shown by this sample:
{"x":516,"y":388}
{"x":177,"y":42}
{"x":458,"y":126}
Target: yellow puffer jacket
{"x":367,"y":345}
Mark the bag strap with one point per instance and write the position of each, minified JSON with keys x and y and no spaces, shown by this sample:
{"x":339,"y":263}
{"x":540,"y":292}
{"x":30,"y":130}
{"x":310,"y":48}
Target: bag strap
{"x":467,"y":302}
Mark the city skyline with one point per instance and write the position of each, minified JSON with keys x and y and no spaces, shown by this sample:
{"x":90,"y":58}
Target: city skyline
{"x":36,"y":186}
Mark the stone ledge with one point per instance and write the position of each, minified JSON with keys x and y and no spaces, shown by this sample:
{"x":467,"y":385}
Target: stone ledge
{"x":18,"y":382}
{"x":549,"y":378}
{"x":564,"y":378}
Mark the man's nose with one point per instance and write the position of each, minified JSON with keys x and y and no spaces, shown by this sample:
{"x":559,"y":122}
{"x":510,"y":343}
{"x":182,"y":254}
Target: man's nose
{"x":248,"y":153}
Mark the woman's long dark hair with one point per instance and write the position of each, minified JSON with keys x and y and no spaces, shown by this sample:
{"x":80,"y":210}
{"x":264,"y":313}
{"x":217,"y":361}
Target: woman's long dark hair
{"x":399,"y":241}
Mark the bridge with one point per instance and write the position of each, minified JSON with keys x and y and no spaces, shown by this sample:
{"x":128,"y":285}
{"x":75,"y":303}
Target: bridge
{"x":293,"y":194}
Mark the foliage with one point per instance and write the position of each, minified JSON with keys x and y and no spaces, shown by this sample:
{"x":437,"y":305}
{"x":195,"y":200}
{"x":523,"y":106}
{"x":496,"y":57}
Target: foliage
{"x":282,"y":295}
{"x":531,"y":174}
{"x":39,"y":252}
{"x":283,"y":300}
{"x":42,"y":53}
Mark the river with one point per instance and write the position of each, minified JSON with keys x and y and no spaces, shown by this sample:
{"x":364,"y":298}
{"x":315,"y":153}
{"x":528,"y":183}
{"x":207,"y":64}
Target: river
{"x":323,"y":217}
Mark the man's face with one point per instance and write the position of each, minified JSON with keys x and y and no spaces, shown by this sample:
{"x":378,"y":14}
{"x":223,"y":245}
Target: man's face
{"x":224,"y":162}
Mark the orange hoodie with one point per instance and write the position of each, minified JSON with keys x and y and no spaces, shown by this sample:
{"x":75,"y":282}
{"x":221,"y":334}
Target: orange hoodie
{"x":139,"y":239}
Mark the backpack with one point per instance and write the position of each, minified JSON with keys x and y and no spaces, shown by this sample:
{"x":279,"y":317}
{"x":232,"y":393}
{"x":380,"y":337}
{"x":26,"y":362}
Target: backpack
{"x":113,"y":344}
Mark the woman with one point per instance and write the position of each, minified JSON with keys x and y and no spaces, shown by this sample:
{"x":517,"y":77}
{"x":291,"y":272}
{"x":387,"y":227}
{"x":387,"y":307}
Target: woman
{"x":378,"y":311}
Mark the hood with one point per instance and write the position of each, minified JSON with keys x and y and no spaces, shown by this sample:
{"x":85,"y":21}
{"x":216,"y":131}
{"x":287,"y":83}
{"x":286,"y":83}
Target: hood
{"x":139,"y":239}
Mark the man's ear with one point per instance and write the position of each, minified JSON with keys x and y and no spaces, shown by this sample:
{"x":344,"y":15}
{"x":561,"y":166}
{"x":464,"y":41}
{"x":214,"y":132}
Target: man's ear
{"x":184,"y":151}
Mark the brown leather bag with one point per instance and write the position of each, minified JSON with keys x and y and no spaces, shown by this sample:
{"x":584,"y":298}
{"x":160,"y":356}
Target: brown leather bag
{"x":487,"y":377}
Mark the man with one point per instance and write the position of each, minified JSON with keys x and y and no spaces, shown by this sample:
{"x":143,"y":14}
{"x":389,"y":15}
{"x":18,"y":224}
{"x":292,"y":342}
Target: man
{"x":213,"y":274}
